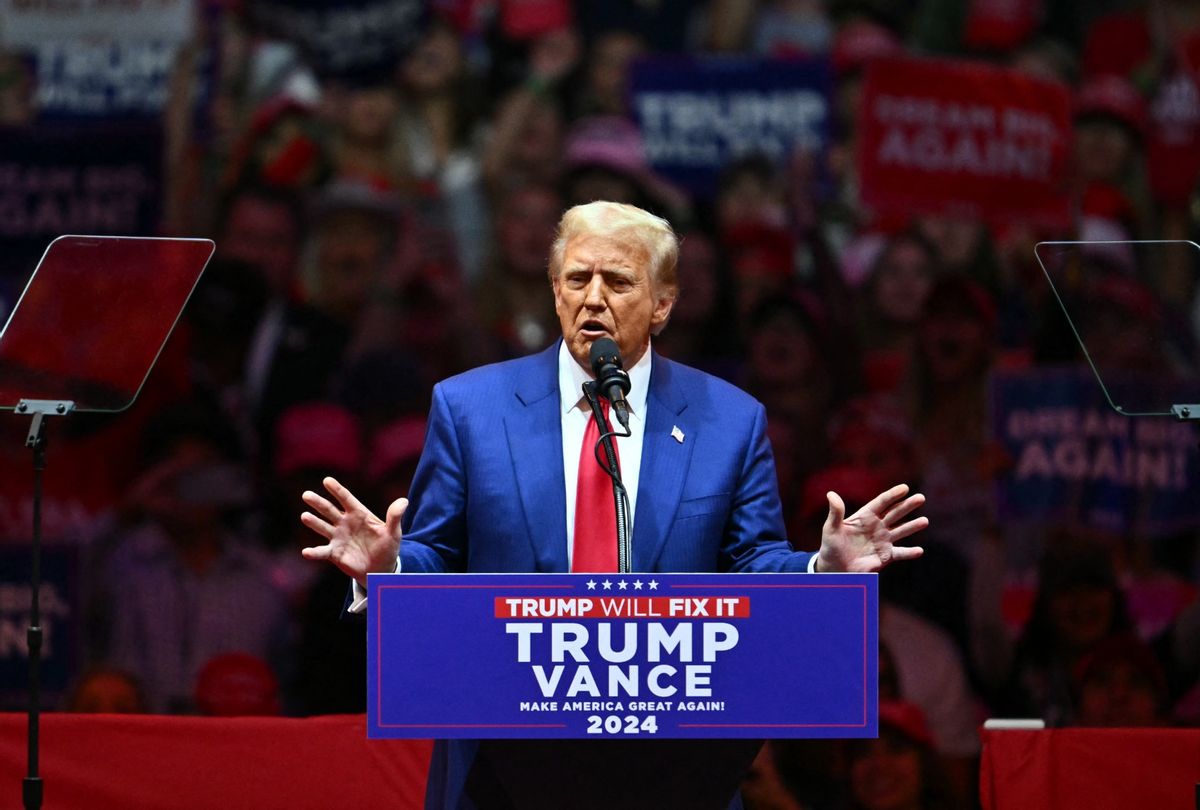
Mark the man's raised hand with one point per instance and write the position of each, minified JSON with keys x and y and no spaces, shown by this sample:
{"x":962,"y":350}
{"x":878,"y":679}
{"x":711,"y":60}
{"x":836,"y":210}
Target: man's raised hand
{"x":866,"y":541}
{"x":357,"y":541}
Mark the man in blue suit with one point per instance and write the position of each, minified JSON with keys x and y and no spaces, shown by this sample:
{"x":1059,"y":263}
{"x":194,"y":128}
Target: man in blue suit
{"x":495,"y":490}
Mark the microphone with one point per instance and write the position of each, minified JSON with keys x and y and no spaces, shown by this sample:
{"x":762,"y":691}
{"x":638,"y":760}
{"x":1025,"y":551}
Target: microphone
{"x":611,"y":379}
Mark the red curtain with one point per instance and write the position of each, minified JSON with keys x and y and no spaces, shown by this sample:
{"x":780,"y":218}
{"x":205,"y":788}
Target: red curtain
{"x":131,"y":762}
{"x":1097,"y":769}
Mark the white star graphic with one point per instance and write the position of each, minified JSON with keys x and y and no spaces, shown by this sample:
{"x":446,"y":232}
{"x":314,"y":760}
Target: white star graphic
{"x":591,"y":583}
{"x":637,"y":584}
{"x":653,"y":585}
{"x":607,"y":585}
{"x":621,"y":585}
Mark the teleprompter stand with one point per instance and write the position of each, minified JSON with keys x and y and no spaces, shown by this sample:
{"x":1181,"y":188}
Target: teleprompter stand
{"x":39,"y":409}
{"x":83,"y":337}
{"x":1074,"y":267}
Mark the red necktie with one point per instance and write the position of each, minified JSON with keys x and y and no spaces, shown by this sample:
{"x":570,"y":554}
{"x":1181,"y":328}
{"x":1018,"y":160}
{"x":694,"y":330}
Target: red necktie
{"x":595,"y":515}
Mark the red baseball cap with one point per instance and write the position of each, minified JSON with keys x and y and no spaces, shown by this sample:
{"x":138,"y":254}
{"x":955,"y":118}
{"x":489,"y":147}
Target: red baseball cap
{"x":906,"y":718}
{"x":237,"y":685}
{"x":317,"y":435}
{"x":1112,"y":97}
{"x":861,"y":42}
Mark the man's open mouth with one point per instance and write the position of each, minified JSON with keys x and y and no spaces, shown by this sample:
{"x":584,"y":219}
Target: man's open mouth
{"x":594,"y":329}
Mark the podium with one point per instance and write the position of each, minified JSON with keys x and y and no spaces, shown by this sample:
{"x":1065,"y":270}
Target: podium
{"x":617,"y":690}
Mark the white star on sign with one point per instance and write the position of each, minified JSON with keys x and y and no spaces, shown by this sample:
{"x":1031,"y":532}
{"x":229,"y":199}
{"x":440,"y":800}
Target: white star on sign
{"x":607,"y":585}
{"x":637,"y":584}
{"x":622,"y":584}
{"x":653,"y":585}
{"x":591,"y":583}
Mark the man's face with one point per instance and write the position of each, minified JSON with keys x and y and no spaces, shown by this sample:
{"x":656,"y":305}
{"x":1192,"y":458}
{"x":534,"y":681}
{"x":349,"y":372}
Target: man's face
{"x":603,"y":289}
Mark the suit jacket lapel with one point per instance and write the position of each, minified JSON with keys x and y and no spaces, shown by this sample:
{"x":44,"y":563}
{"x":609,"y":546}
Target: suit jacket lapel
{"x":665,"y":464}
{"x":533,"y":426}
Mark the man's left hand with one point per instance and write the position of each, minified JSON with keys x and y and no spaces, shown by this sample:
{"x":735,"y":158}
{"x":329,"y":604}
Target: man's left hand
{"x":866,"y":541}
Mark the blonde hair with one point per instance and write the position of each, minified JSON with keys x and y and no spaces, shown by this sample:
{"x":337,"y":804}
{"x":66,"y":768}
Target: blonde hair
{"x":615,"y":221}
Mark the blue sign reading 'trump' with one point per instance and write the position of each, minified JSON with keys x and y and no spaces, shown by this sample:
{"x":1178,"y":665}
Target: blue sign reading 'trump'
{"x":633,"y":655}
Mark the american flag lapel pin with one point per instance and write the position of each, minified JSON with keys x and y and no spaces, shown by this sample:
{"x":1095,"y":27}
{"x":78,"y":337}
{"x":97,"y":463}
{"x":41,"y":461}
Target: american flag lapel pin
{"x":677,"y":434}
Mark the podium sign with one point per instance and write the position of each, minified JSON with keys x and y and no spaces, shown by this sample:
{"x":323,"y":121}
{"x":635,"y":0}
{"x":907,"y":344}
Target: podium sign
{"x":634,"y":656}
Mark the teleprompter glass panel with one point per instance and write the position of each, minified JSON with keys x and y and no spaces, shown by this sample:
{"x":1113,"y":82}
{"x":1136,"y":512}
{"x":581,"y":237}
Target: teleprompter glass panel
{"x":93,"y":318}
{"x":1129,"y":305}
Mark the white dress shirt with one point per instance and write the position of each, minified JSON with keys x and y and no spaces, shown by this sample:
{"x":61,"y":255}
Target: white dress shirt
{"x":576,"y":414}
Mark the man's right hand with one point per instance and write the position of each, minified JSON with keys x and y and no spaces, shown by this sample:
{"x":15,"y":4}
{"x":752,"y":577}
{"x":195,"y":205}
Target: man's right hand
{"x":358,"y":542}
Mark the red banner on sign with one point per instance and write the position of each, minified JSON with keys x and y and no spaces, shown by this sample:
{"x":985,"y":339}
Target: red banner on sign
{"x":623,"y":607}
{"x":937,"y":136}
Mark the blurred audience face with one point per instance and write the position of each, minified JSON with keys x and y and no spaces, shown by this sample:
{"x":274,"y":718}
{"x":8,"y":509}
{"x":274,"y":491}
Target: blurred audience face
{"x":764,"y":787}
{"x":750,"y":197}
{"x":608,"y":70}
{"x":178,"y":492}
{"x":902,"y":280}
{"x":1045,"y":59}
{"x":697,"y":274}
{"x":1103,"y":149}
{"x":956,"y":238}
{"x":264,"y":234}
{"x":1118,"y":693}
{"x":525,"y":230}
{"x":370,"y":113}
{"x":892,"y":458}
{"x":16,"y":91}
{"x":757,"y":280}
{"x":107,"y":692}
{"x":539,"y":147}
{"x":848,"y":95}
{"x":1082,"y":615}
{"x":350,"y":254}
{"x":885,"y":774}
{"x":1121,"y":324}
{"x":787,"y":371}
{"x":782,"y":351}
{"x":955,"y":345}
{"x":434,"y":64}
{"x":599,"y":183}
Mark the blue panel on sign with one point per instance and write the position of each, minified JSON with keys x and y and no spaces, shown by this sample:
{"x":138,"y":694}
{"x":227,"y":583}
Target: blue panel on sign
{"x":648,"y":655}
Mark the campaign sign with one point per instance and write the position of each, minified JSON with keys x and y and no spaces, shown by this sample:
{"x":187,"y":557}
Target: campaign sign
{"x":73,"y":179}
{"x":346,"y":39}
{"x":622,"y":656}
{"x":1076,"y":461}
{"x":698,"y":114}
{"x":938,"y":135}
{"x":29,"y":23}
{"x":109,"y":78}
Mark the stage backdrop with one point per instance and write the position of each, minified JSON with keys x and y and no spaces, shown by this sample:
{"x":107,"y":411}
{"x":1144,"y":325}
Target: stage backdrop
{"x":150,"y":762}
{"x":1096,"y":768}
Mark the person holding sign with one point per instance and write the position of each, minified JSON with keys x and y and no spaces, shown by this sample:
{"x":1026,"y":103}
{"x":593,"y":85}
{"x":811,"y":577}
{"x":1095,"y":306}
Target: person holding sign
{"x":508,"y":471}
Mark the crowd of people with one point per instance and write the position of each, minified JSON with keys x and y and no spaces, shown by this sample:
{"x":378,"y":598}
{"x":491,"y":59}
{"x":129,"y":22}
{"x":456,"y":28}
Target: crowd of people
{"x":375,"y":237}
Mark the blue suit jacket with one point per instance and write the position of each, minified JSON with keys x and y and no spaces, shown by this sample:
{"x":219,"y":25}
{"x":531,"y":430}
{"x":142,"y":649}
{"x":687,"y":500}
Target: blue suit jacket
{"x":489,"y":496}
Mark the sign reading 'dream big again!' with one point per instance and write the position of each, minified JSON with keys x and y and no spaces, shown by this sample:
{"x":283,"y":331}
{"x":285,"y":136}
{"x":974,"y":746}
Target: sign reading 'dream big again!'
{"x":631,"y":656}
